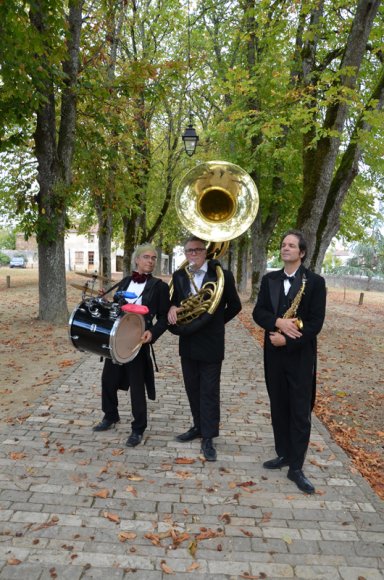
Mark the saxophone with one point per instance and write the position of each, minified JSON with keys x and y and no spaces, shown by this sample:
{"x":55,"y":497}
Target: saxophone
{"x":292,"y":310}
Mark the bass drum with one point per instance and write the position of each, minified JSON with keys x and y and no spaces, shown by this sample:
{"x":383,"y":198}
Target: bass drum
{"x":114,"y":337}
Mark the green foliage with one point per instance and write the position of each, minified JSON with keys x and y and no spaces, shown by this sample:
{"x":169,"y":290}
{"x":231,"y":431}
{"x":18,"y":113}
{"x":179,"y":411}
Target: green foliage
{"x":368,"y":259}
{"x":22,"y":50}
{"x":4,"y":260}
{"x":7,"y":239}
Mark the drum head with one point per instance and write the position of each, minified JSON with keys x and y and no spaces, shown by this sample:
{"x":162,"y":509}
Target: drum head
{"x":125,"y":337}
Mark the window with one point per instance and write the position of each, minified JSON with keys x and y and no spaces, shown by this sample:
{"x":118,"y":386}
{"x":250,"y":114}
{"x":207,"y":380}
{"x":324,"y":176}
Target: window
{"x":91,"y":258}
{"x":79,"y":258}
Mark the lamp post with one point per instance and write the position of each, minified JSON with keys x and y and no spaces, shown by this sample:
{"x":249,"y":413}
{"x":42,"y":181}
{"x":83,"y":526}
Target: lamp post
{"x":190,"y":139}
{"x":189,"y":136}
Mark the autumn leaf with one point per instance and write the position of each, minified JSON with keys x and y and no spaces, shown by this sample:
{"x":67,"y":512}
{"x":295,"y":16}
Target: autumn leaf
{"x":184,"y":460}
{"x":133,"y":477}
{"x":66,"y":363}
{"x":13,"y":562}
{"x":266,"y":517}
{"x":117,"y":452}
{"x":16,"y":455}
{"x":246,"y":533}
{"x":225,"y":517}
{"x":192,"y":548}
{"x":165,"y":568}
{"x":103,"y":493}
{"x":112,"y":517}
{"x":131,"y":490}
{"x":124,"y":536}
{"x":193,"y":566}
{"x":208,"y":534}
{"x":183,"y":474}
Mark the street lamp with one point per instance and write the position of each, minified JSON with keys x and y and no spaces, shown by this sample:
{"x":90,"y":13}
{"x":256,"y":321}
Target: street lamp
{"x":190,"y":139}
{"x":189,"y":136}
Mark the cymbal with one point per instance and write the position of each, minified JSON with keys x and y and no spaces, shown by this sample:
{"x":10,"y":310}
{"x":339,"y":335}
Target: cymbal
{"x":95,"y":276}
{"x":83,"y":287}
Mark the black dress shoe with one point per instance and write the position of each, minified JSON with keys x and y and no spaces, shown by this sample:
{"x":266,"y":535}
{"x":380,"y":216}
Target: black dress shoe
{"x":298,"y":477}
{"x":192,"y":433}
{"x":104,"y":425}
{"x":134,"y":439}
{"x":208,"y":450}
{"x":276,"y":463}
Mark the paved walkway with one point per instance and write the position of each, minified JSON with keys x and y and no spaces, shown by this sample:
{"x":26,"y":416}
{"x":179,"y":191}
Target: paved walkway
{"x":74,"y":504}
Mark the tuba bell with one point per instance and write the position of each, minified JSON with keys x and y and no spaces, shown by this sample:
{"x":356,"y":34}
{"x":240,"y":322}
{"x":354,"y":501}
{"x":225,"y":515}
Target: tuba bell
{"x":217,"y":202}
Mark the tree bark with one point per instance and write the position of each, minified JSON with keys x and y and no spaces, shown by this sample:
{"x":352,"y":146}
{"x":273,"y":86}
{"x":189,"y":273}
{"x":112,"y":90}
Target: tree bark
{"x":320,"y":163}
{"x":54,"y":165}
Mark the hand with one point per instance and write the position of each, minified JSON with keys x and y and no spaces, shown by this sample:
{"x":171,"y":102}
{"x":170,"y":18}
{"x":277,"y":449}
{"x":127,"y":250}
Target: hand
{"x":277,"y":339}
{"x":172,"y":314}
{"x":147,"y":337}
{"x":288,"y":326}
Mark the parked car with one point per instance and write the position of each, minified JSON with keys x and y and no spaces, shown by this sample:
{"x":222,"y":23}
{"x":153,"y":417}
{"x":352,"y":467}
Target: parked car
{"x":17,"y":262}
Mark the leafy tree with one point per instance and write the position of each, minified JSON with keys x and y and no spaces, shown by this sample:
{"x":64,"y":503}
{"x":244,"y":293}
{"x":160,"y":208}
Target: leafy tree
{"x":7,"y":239}
{"x":39,"y":66}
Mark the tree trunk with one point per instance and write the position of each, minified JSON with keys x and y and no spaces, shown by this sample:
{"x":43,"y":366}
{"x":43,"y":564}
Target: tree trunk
{"x":319,"y":164}
{"x":242,"y":262}
{"x":54,"y":166}
{"x":104,"y":217}
{"x":346,"y":172}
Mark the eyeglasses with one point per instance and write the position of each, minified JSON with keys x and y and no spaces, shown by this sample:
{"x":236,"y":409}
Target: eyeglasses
{"x":194,"y":250}
{"x":146,"y":257}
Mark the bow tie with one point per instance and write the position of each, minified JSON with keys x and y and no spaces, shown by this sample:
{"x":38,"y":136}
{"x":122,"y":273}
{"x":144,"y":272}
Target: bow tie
{"x":289,"y":278}
{"x":140,"y":278}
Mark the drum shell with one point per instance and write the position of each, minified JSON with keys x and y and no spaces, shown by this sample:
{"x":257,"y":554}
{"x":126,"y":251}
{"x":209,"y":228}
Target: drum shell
{"x":113,"y":337}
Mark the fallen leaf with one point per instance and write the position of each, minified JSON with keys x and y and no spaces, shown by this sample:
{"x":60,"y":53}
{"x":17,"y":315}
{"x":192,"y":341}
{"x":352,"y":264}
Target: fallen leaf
{"x":103,"y":493}
{"x":133,"y":477}
{"x":16,"y":455}
{"x":208,"y":534}
{"x":112,"y":517}
{"x":131,"y":490}
{"x":193,"y":566}
{"x":184,"y":460}
{"x":192,"y":548}
{"x":165,"y":568}
{"x":13,"y":562}
{"x":124,"y":536}
{"x":266,"y":517}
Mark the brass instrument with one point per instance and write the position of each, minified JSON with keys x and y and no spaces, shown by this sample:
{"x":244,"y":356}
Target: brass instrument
{"x":216,"y":201}
{"x":292,"y":310}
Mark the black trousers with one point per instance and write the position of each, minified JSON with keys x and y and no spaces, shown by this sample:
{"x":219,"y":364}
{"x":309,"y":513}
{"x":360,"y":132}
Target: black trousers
{"x":290,"y":389}
{"x":202,"y":384}
{"x":127,"y":376}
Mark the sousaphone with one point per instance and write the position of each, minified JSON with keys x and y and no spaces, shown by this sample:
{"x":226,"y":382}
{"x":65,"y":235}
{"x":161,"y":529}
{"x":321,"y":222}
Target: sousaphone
{"x":216,"y":201}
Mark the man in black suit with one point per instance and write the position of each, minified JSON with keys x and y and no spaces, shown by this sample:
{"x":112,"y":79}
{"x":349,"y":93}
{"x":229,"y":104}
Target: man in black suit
{"x":137,"y":375}
{"x":290,"y":352}
{"x":201,"y":343}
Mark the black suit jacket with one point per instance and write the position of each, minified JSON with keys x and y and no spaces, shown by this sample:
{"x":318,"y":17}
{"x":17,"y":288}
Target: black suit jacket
{"x":311,"y":309}
{"x":156,"y":298}
{"x":301,"y":351}
{"x":207,"y":343}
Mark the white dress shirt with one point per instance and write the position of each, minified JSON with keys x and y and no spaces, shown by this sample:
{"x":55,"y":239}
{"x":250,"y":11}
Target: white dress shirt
{"x":198,"y":277}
